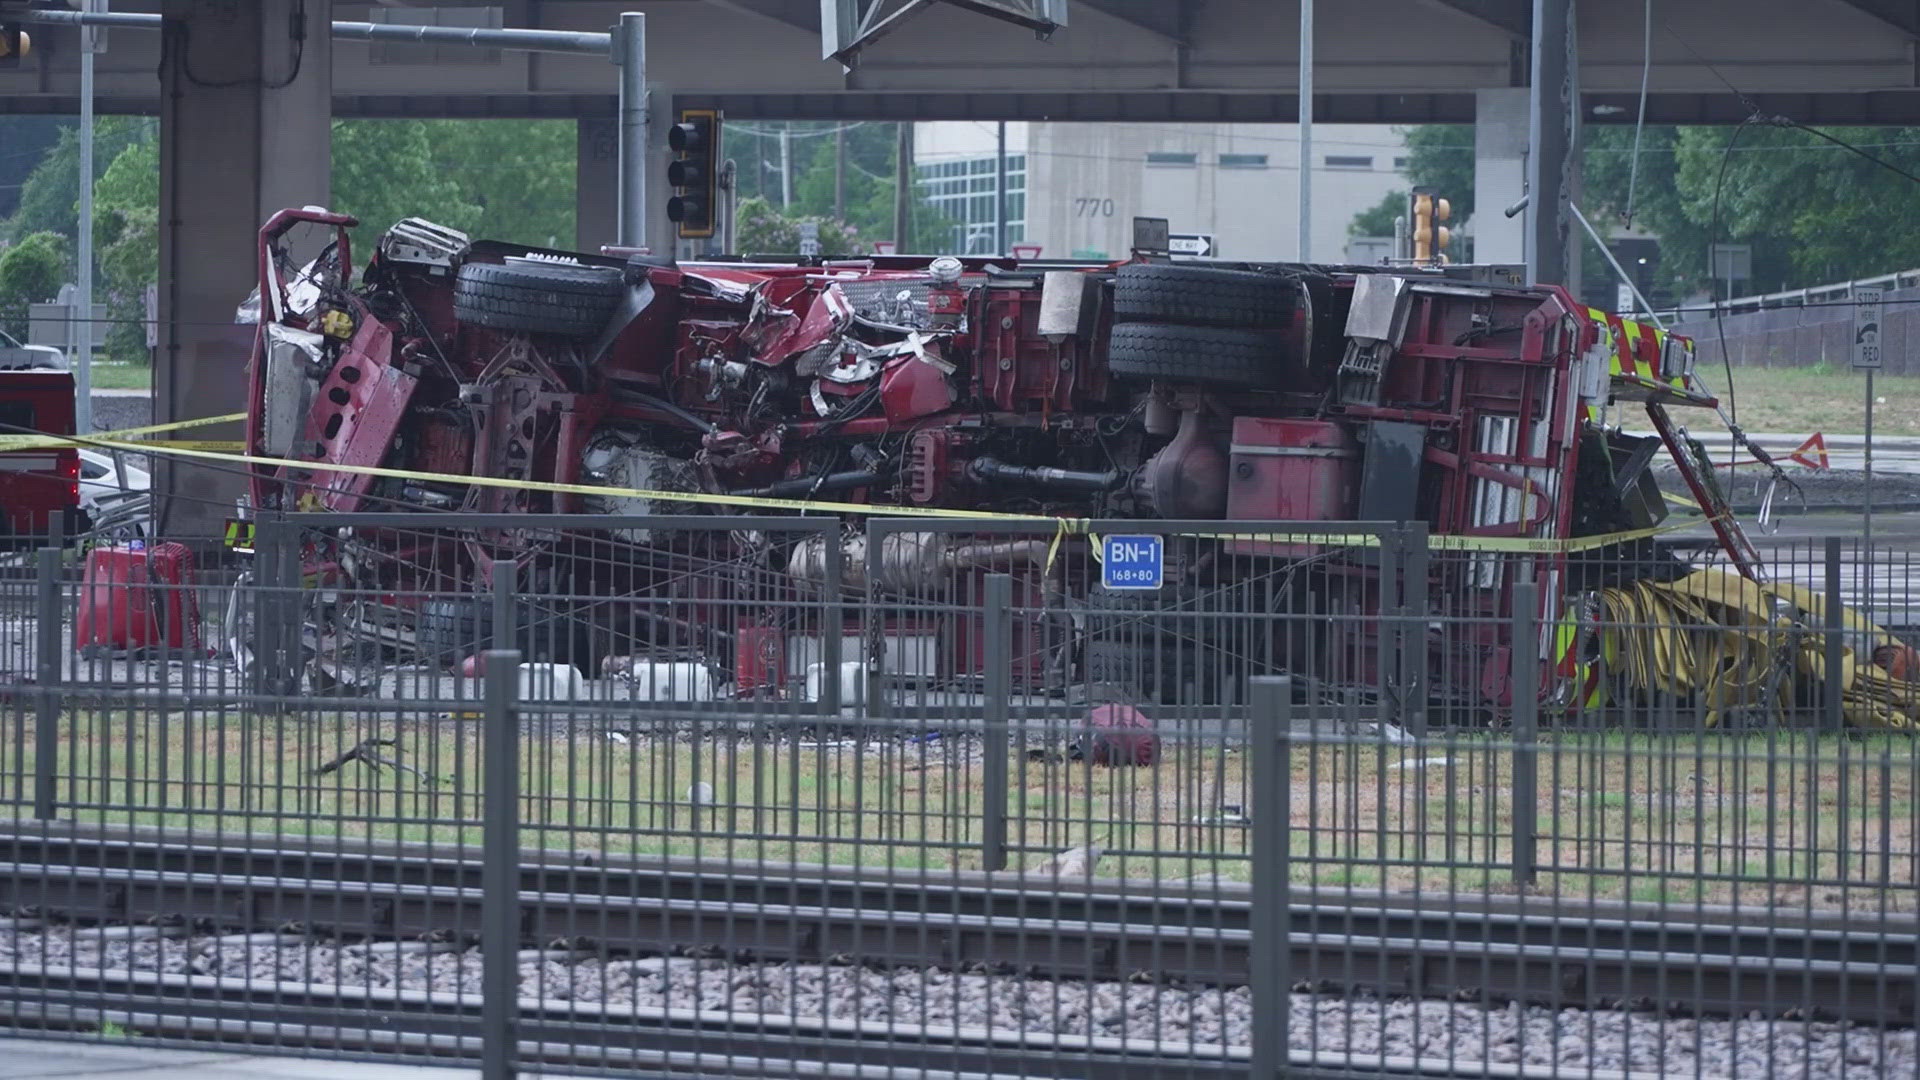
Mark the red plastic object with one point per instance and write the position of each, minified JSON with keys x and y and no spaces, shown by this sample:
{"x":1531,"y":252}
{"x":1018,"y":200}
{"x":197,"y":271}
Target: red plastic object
{"x":135,"y":599}
{"x":1290,"y":470}
{"x":1122,"y":736}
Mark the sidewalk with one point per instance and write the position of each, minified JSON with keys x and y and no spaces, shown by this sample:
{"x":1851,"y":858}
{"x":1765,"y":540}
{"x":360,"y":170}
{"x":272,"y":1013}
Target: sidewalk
{"x":32,"y":1059}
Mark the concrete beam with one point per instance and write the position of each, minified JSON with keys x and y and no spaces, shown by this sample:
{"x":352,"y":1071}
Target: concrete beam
{"x":245,"y":131}
{"x":1513,"y":17}
{"x":1902,"y":15}
{"x":1232,"y":46}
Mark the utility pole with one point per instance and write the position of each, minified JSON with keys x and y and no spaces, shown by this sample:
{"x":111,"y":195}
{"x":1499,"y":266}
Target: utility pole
{"x":80,"y":313}
{"x":1306,"y":130}
{"x":903,"y":189}
{"x":1000,"y":195}
{"x":840,"y":173}
{"x":786,"y":164}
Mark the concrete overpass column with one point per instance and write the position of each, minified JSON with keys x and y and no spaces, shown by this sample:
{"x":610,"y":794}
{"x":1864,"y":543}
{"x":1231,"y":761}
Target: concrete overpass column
{"x":245,"y":129}
{"x":1499,"y":174}
{"x":597,"y":183}
{"x":1551,"y":176}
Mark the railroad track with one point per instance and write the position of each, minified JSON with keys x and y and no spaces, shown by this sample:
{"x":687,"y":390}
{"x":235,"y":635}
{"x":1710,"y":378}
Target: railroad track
{"x":1537,"y":949}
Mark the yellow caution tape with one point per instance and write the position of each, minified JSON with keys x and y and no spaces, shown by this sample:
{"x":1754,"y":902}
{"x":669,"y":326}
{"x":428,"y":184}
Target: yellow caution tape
{"x":43,"y":442}
{"x":1062,"y":527}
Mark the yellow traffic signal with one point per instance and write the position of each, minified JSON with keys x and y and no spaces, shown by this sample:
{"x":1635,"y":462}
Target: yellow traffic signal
{"x":1425,"y":213}
{"x":14,"y":44}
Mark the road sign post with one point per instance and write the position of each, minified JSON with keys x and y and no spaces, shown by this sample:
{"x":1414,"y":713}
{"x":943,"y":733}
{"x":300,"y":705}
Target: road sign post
{"x":1867,"y":358}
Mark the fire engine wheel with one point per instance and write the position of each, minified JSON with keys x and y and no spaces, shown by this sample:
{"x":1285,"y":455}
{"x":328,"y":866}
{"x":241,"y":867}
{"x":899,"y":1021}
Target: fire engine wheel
{"x":537,"y":298}
{"x":1201,"y":295}
{"x":1207,"y":354}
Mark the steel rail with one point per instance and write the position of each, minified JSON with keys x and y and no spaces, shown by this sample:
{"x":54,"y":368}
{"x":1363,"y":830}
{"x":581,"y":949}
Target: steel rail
{"x":1540,"y":950}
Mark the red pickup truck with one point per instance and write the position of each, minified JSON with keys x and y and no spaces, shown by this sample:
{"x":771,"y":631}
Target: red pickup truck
{"x":38,"y":484}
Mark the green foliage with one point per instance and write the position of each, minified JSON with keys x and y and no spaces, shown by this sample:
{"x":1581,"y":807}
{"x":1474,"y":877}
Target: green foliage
{"x":1440,"y":156}
{"x":866,"y":181}
{"x":50,"y":196}
{"x":520,"y":174}
{"x":385,"y":170}
{"x":1378,"y":220}
{"x":126,"y":235}
{"x":31,"y":270}
{"x":762,"y":229}
{"x":500,"y":179}
{"x":27,"y":138}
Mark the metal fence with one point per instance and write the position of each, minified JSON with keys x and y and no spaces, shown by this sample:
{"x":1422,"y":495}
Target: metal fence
{"x":758,"y":796}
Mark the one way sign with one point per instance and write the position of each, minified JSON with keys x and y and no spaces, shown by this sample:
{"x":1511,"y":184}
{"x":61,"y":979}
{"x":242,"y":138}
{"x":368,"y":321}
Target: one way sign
{"x":1200,"y":244}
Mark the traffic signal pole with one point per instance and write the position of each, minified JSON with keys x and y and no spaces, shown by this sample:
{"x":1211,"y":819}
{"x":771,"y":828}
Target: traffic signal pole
{"x":626,"y":46}
{"x":630,"y":52}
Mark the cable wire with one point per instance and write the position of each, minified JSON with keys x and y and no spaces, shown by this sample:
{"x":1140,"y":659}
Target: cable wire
{"x":1640,"y":123}
{"x":1719,"y":309}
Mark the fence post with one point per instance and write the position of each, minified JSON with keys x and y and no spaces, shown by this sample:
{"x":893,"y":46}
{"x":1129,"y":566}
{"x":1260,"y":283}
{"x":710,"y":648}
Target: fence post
{"x":1836,"y":642}
{"x":832,"y":632}
{"x":1271,"y":733}
{"x":1413,"y":627}
{"x":998,"y":666}
{"x":49,"y":632}
{"x":1525,"y":685}
{"x":500,"y":855}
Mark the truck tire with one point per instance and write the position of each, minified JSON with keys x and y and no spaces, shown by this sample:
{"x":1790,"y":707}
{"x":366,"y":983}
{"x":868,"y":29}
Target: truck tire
{"x":537,"y":298}
{"x":1206,"y":354}
{"x":446,"y":632}
{"x":1201,"y":295}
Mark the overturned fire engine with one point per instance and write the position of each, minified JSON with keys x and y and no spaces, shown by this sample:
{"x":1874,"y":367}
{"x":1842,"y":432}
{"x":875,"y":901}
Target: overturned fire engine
{"x":1232,"y":394}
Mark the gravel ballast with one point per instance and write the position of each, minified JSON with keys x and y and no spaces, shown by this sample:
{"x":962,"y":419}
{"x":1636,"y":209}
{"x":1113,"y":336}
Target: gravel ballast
{"x":1568,"y":1039}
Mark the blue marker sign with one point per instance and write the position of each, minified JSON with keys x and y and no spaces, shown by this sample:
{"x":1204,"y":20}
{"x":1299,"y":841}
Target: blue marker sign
{"x":1132,"y":562}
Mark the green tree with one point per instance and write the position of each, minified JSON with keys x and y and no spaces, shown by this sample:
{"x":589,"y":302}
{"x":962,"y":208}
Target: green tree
{"x":50,"y":196}
{"x":1378,"y":220}
{"x":127,"y":245}
{"x":27,"y":139}
{"x":866,"y":178}
{"x":31,"y":270}
{"x":520,"y":174}
{"x":1440,"y":156}
{"x":386,"y":170}
{"x":762,"y":229}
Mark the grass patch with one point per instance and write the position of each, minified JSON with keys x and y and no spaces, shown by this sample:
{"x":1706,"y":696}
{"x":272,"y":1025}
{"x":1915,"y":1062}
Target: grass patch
{"x":1809,"y":399}
{"x":118,"y":375}
{"x":1663,"y":818}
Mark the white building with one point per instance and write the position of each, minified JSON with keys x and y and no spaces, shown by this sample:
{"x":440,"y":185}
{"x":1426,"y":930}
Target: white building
{"x":1074,"y":189}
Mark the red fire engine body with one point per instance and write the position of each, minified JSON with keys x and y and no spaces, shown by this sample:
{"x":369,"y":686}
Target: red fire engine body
{"x":1144,"y":390}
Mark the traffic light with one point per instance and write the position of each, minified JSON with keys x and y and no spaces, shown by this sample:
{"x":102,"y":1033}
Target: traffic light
{"x":694,"y":172}
{"x":14,"y":43}
{"x":1430,"y":238}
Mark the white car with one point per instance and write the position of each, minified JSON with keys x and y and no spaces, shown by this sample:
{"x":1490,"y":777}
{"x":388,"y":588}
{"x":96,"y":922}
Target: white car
{"x":115,"y":494}
{"x":17,"y":357}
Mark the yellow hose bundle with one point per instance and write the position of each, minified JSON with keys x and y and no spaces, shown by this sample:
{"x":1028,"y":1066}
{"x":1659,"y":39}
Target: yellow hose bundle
{"x":1731,"y":643}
